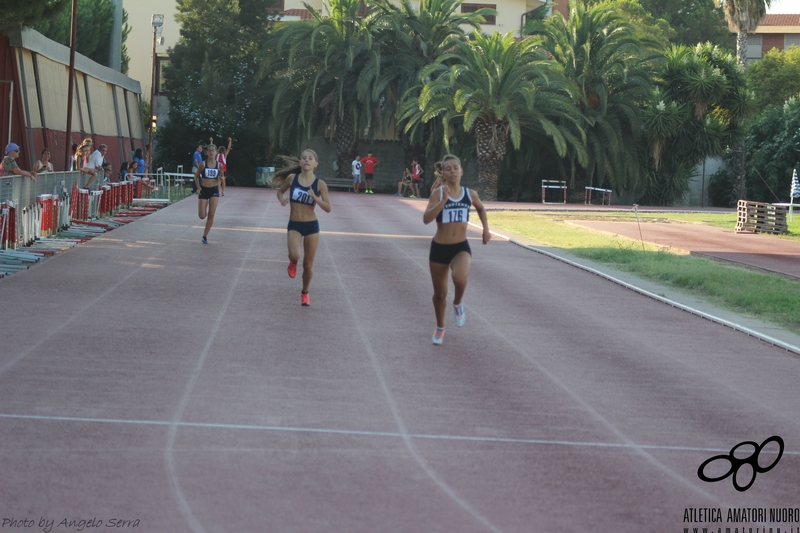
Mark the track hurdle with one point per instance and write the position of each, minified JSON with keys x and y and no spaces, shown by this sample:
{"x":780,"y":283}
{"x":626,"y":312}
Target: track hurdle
{"x":94,"y":204}
{"x":8,"y":238}
{"x":104,"y":207}
{"x":45,"y":215}
{"x":553,"y":184}
{"x":605,"y":195}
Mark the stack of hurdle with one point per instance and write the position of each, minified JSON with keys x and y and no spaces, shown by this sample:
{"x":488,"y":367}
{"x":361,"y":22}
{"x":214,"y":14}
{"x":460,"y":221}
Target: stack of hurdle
{"x":761,"y":217}
{"x":8,"y":225}
{"x":53,"y":214}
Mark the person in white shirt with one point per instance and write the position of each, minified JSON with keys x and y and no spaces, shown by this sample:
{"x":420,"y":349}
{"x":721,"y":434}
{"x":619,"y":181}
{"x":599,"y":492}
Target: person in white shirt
{"x":44,"y":164}
{"x":356,"y":173}
{"x":95,"y":163}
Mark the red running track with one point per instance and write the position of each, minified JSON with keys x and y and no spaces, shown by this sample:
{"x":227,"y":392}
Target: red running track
{"x":145,"y":376}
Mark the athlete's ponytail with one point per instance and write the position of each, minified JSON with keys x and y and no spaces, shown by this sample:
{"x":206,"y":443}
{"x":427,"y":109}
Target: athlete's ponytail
{"x":293,"y":168}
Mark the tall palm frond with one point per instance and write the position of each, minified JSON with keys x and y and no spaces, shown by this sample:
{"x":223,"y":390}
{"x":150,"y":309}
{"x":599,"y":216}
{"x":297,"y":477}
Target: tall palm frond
{"x":497,"y":87}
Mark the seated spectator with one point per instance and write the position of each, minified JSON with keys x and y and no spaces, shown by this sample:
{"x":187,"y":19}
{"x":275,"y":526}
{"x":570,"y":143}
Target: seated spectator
{"x":405,"y":183}
{"x":123,"y":171}
{"x":107,"y":172}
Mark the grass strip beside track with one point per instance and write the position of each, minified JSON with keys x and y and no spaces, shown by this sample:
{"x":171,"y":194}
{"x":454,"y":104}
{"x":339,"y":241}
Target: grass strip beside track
{"x":767,"y":297}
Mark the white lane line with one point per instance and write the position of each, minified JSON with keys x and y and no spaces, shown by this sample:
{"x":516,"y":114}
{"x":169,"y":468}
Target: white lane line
{"x":367,"y":433}
{"x":398,"y":419}
{"x":78,"y":314}
{"x":708,"y":316}
{"x":169,"y":452}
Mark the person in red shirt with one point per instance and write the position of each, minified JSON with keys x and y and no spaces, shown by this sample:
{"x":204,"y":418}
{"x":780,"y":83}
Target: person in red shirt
{"x":369,"y":163}
{"x":222,"y":158}
{"x":416,"y":178}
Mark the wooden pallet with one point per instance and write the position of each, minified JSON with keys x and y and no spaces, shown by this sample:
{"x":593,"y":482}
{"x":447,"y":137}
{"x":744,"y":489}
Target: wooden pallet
{"x":760,"y":217}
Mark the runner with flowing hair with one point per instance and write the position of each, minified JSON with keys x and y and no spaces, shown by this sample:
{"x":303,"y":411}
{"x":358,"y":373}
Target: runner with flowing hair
{"x":437,"y":175}
{"x":449,"y":206}
{"x":305,"y":192}
{"x":207,"y":178}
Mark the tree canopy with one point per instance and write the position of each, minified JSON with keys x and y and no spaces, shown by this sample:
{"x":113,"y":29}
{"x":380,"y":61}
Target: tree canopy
{"x":774,"y":78}
{"x":694,"y":21}
{"x":212,"y":84}
{"x":16,"y":15}
{"x":94,"y":25}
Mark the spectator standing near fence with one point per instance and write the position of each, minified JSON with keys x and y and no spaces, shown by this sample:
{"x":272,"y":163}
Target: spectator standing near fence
{"x":44,"y":164}
{"x":82,"y":163}
{"x":10,"y":166}
{"x":197,"y":160}
{"x":305,"y":192}
{"x":141,"y":166}
{"x":449,"y":206}
{"x":356,"y":173}
{"x":73,"y":158}
{"x":96,"y":162}
{"x":369,"y":163}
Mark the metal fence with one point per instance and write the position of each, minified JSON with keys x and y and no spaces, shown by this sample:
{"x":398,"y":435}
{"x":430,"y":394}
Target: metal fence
{"x":24,"y":192}
{"x":32,"y":210}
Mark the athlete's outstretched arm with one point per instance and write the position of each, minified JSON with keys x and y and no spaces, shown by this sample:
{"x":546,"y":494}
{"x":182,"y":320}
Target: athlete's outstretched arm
{"x":476,"y":201}
{"x":435,"y":205}
{"x":322,"y":200}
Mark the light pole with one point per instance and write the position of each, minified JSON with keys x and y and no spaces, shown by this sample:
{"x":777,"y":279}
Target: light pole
{"x":158,"y":24}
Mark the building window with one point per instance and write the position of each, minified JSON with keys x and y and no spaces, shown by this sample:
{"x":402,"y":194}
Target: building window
{"x":754,"y":42}
{"x":472,"y":8}
{"x":162,"y":60}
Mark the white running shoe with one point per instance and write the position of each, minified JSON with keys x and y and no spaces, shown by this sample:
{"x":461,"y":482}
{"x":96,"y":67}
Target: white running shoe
{"x":461,"y":316}
{"x":438,"y":336}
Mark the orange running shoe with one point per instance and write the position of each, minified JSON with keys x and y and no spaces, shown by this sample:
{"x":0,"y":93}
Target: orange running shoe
{"x":304,"y":301}
{"x":292,"y":269}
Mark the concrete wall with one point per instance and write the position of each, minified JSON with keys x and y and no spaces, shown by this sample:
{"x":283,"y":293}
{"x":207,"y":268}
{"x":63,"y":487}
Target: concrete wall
{"x":697,"y":195}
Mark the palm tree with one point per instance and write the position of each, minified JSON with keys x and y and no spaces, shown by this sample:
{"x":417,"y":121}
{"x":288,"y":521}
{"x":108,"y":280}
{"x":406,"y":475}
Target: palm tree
{"x":494,"y":87}
{"x":696,"y":111}
{"x":743,"y":17}
{"x":320,"y":68}
{"x":413,"y":38}
{"x":600,"y":51}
